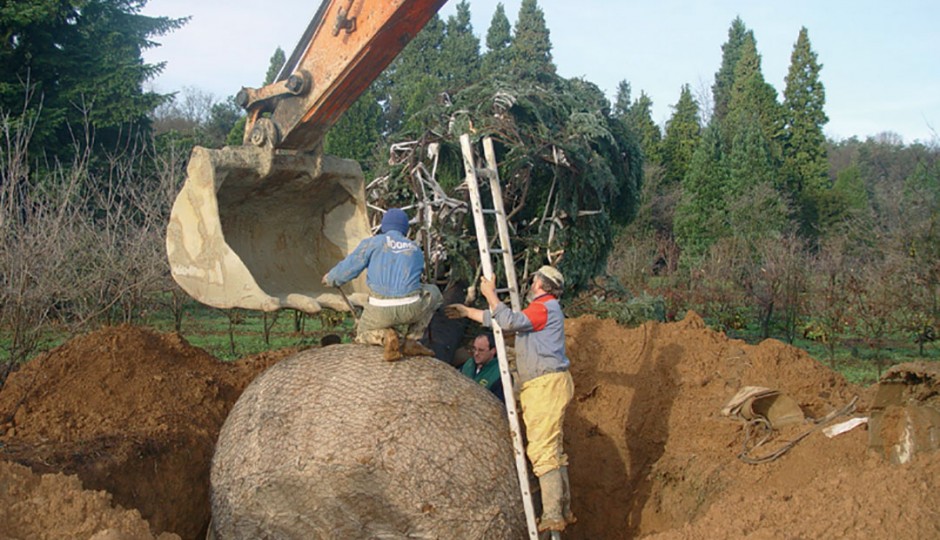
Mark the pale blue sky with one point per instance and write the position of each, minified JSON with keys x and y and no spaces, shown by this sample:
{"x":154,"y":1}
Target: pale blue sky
{"x":881,"y":59}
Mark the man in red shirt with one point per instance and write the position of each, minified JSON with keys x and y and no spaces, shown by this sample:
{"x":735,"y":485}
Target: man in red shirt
{"x":546,"y":387}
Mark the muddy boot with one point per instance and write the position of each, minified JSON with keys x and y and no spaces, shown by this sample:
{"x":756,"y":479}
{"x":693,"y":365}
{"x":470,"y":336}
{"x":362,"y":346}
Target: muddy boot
{"x":415,"y":348}
{"x":552,"y":489}
{"x":392,"y":348}
{"x":566,"y":512}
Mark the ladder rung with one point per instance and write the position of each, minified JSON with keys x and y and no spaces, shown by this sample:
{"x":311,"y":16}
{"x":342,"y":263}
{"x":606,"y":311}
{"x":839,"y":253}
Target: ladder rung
{"x":489,"y":211}
{"x":485,"y":172}
{"x":497,"y":251}
{"x":505,"y":290}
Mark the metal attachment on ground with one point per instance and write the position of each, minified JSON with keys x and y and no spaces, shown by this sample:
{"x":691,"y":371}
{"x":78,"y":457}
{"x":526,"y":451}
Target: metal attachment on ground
{"x":760,"y":428}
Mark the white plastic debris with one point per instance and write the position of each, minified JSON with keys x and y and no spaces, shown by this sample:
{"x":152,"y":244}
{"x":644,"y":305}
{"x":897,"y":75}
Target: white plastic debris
{"x":842,"y":427}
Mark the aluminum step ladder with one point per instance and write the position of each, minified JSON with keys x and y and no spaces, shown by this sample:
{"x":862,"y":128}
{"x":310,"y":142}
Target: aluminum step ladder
{"x":490,"y":173}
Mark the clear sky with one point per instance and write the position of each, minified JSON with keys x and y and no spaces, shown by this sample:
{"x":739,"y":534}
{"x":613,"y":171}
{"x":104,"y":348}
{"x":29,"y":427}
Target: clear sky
{"x":881,"y":59}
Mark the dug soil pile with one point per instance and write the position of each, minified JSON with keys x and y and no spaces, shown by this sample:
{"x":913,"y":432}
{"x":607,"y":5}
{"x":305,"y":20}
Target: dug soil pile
{"x":129,"y":412}
{"x":135,"y":414}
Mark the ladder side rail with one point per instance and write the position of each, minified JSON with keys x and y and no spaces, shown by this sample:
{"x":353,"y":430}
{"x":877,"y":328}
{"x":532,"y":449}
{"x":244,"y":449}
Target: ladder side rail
{"x":505,"y":378}
{"x":502,"y":225}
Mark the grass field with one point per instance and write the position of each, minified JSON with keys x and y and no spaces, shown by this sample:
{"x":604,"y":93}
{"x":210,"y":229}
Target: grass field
{"x":233,"y":334}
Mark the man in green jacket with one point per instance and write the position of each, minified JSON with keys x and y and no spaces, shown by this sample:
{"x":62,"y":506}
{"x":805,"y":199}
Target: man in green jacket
{"x":483,"y":368}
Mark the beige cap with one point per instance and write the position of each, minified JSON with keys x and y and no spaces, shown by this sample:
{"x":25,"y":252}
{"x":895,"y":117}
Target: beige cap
{"x":554,"y":275}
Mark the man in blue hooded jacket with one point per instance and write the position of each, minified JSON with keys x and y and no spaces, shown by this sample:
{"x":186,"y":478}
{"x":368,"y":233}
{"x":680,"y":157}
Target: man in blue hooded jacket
{"x":393,"y":265}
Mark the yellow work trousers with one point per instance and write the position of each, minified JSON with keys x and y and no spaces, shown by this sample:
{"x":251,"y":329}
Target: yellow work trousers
{"x":544,"y":400}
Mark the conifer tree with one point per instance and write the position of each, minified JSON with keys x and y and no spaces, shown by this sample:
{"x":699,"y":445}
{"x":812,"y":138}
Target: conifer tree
{"x":498,"y":41}
{"x":274,"y":66}
{"x":846,"y":202}
{"x":640,"y":120}
{"x":749,"y":162}
{"x":683,"y":131}
{"x":805,"y":163}
{"x":724,"y":79}
{"x":412,"y":81}
{"x":753,"y":100}
{"x":531,"y":49}
{"x":358,"y":131}
{"x":700,"y":216}
{"x":83,"y":63}
{"x":756,"y":208}
{"x":622,"y":100}
{"x":460,"y":50}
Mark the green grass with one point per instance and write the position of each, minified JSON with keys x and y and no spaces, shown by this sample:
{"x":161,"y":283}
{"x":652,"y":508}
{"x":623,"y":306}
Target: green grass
{"x":857,"y":363}
{"x":212,"y":329}
{"x":209,"y":329}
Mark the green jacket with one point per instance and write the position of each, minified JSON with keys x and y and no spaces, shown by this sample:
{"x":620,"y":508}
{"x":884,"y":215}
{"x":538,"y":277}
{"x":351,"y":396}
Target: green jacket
{"x":488,"y":377}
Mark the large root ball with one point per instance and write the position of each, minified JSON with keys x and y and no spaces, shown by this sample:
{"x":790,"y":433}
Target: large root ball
{"x":337,"y":443}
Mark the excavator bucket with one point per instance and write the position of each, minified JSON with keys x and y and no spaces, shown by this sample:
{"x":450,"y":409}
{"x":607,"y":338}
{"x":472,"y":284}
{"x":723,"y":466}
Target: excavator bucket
{"x":256,"y":229}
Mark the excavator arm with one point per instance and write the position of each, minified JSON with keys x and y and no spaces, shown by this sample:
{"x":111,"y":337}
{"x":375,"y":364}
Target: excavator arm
{"x":256,"y":226}
{"x":346,"y":46}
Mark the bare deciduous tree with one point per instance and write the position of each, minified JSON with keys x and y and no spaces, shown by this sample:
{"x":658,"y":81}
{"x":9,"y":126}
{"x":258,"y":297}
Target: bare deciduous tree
{"x":777,"y":281}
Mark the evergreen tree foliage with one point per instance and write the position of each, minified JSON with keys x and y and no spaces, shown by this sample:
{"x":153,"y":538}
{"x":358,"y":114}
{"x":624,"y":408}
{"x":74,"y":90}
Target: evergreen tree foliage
{"x":622,"y":100}
{"x":460,"y":50}
{"x":223,"y":116}
{"x":358,"y":131}
{"x":851,"y":190}
{"x":641,"y":121}
{"x":805,"y":164}
{"x":413,"y":80}
{"x":570,"y":170}
{"x":683,"y":131}
{"x":724,"y":78}
{"x":278,"y":59}
{"x":845,"y":206}
{"x":638,"y":117}
{"x":750,"y":162}
{"x":700,"y":217}
{"x":531,"y":49}
{"x":753,"y":100}
{"x":498,"y":40}
{"x":756,"y":209}
{"x":657,"y":200}
{"x":80,"y":65}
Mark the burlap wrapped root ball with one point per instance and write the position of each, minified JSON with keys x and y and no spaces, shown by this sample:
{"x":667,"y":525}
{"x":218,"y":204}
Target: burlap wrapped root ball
{"x":337,"y":443}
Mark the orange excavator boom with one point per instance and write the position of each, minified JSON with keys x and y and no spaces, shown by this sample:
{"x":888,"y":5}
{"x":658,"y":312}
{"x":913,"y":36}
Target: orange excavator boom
{"x":345,"y":48}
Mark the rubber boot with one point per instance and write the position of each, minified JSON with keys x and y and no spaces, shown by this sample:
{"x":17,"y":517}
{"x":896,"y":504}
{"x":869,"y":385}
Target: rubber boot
{"x":392,"y":348}
{"x":415,"y":348}
{"x":566,"y":512}
{"x":552,"y":490}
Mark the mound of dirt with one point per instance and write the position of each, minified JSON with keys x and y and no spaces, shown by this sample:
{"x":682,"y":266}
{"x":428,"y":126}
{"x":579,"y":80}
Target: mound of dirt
{"x":53,"y":506}
{"x":128,"y":411}
{"x":136,"y":414}
{"x":651,"y":452}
